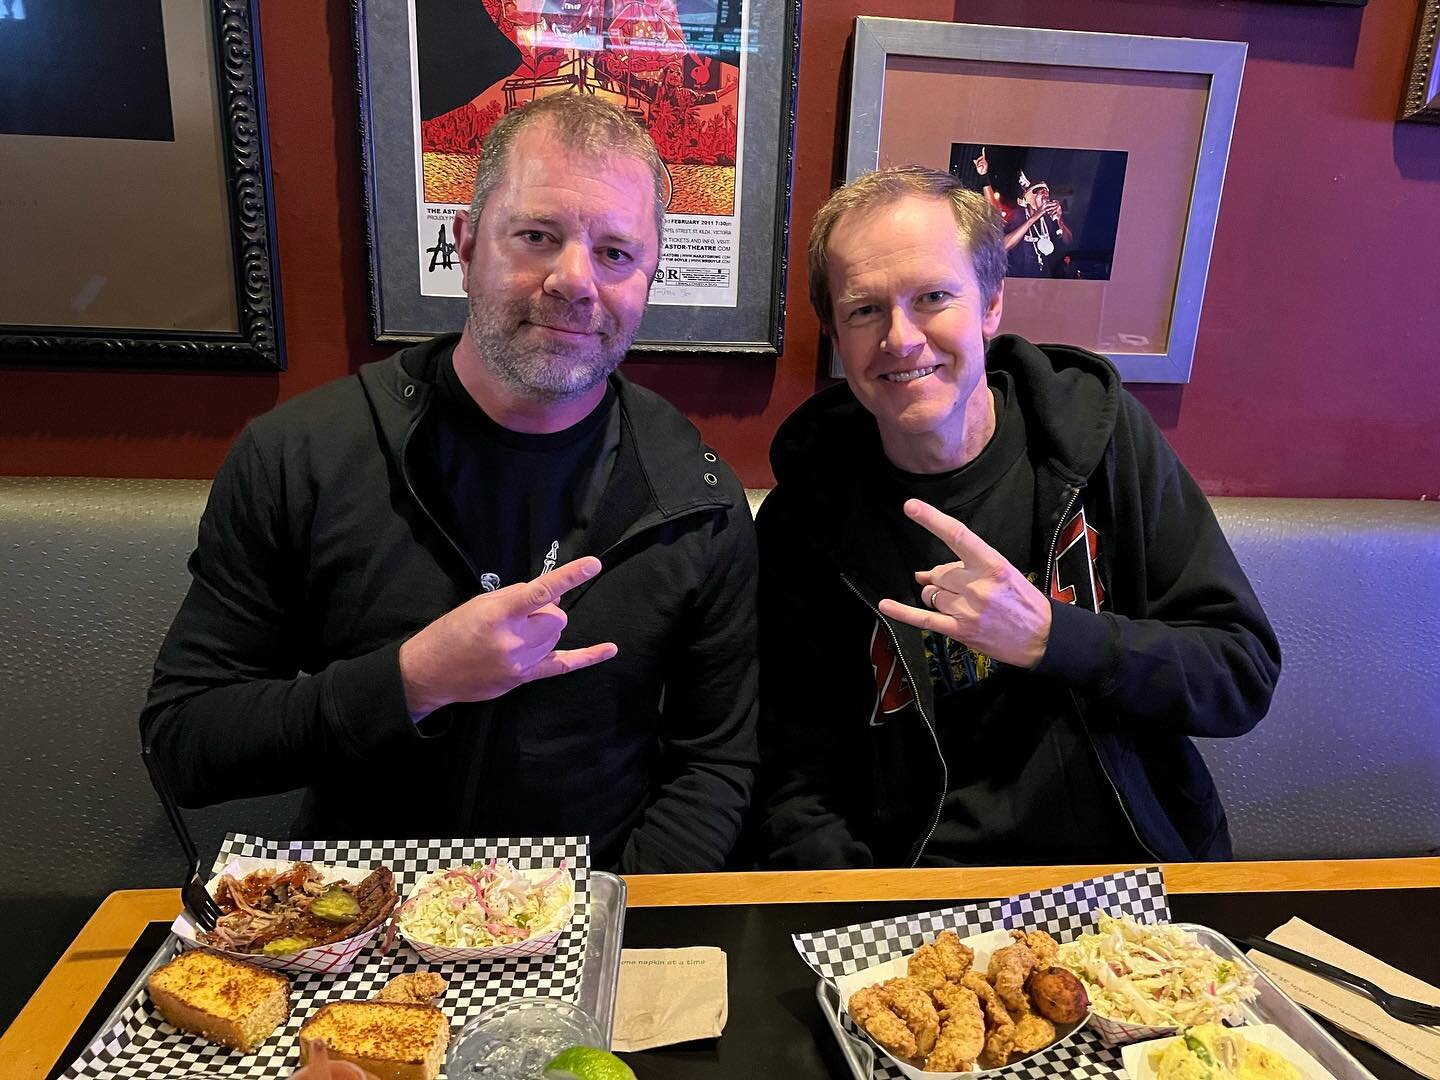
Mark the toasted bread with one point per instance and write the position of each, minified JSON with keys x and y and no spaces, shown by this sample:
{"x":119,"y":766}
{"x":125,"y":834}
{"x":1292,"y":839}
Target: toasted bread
{"x":392,"y":1040}
{"x":225,"y":1001}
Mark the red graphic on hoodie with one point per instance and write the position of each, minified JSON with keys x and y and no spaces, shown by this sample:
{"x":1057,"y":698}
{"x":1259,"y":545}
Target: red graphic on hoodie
{"x":1075,"y":575}
{"x":892,"y":690}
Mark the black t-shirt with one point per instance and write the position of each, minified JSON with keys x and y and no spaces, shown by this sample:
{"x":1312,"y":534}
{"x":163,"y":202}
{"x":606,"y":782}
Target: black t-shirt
{"x":517,"y":504}
{"x":1026,"y":785}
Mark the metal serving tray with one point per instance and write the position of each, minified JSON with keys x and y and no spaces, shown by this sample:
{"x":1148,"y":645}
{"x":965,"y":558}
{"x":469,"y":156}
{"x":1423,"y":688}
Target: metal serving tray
{"x":599,"y":973}
{"x":1271,"y":1006}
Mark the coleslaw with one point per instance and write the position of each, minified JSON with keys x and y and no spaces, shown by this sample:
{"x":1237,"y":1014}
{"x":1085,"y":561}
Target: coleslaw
{"x":1156,"y":975}
{"x":481,"y":905}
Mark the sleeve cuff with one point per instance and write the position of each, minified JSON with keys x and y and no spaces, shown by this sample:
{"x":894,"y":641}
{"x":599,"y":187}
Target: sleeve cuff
{"x":367,"y":699}
{"x":1081,"y":650}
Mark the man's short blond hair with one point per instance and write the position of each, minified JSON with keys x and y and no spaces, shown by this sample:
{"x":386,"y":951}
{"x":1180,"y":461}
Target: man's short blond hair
{"x":977,"y":224}
{"x":590,"y":126}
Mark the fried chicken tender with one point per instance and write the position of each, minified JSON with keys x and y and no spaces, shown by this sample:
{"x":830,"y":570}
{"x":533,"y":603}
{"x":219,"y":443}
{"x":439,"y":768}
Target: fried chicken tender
{"x":1001,"y":1028}
{"x":419,"y":988}
{"x":1032,"y":1031}
{"x":927,"y":967}
{"x":955,"y":954}
{"x":943,"y":960}
{"x":962,"y":1030}
{"x":1045,"y":947}
{"x":870,"y":1008}
{"x":1009,"y":968}
{"x":911,"y":1002}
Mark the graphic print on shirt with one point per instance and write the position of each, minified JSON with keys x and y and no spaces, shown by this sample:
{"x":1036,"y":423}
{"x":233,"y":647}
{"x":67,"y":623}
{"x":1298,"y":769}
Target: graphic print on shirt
{"x":1075,"y":575}
{"x":892,"y":691}
{"x":954,"y":665}
{"x":1038,"y":237}
{"x":491,"y":582}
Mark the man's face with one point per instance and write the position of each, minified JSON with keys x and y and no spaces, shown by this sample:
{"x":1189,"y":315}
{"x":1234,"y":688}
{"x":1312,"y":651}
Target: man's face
{"x":910,"y":323}
{"x":1036,"y":196}
{"x":558,"y":267}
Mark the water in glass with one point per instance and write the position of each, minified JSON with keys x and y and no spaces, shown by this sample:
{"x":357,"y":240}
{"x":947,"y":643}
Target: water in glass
{"x":513,"y":1041}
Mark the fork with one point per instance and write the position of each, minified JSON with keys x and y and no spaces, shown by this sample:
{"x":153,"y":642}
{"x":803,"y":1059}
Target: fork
{"x":196,"y":896}
{"x":1401,"y":1008}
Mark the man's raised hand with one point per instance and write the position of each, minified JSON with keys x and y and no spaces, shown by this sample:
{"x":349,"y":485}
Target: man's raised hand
{"x":495,"y":642}
{"x":980,"y":600}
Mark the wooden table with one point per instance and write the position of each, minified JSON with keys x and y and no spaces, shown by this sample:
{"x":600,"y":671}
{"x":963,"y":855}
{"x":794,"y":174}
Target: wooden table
{"x":40,"y":1033}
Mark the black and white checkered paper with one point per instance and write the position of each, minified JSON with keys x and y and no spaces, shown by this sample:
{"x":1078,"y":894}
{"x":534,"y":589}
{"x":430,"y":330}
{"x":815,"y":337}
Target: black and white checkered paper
{"x":1066,"y":912}
{"x":142,"y":1046}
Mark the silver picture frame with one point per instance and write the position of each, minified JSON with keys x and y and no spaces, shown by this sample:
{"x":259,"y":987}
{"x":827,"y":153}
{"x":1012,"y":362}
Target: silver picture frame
{"x":1421,"y":100}
{"x":879,"y":42}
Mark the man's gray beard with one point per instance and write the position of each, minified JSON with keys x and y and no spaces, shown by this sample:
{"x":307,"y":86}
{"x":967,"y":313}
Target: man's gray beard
{"x":535,"y":371}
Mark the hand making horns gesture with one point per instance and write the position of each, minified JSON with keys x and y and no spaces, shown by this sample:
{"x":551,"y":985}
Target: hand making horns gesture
{"x":495,"y":642}
{"x":980,"y":600}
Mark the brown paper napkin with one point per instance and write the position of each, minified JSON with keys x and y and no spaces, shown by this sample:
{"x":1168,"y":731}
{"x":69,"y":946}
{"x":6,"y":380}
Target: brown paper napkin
{"x":670,"y":996}
{"x":1411,"y":1045}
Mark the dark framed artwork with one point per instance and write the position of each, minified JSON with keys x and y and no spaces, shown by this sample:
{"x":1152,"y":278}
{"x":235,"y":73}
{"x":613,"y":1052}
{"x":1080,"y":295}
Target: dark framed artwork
{"x":136,"y":207}
{"x":1103,"y":153}
{"x":1421,"y":100}
{"x":713,"y":81}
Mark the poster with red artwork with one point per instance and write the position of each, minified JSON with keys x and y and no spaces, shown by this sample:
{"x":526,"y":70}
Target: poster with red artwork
{"x":677,"y":66}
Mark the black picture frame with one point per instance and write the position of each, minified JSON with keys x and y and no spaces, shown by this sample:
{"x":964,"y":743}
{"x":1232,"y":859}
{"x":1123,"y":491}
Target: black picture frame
{"x":258,"y":343}
{"x":399,"y":311}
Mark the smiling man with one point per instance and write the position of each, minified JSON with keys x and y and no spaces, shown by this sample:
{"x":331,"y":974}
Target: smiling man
{"x":486,"y":587}
{"x":994,"y":607}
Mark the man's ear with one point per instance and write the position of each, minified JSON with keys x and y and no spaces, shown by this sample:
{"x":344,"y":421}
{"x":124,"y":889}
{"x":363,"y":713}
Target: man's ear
{"x":464,"y":244}
{"x":990,"y":323}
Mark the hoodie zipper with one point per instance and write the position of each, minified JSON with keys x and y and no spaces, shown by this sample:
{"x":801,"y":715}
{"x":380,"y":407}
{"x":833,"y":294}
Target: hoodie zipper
{"x":915,"y":692}
{"x":1075,"y":491}
{"x":410,"y":486}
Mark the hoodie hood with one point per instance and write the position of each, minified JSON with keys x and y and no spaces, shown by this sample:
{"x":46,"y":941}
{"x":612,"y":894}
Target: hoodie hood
{"x":1070,"y":397}
{"x":677,"y":471}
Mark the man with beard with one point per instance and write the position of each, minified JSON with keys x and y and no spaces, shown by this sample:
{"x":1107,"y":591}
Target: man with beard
{"x":399,"y":602}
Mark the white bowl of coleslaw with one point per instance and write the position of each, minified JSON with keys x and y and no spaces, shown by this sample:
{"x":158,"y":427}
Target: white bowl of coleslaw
{"x":487,"y":910}
{"x":1148,"y":981}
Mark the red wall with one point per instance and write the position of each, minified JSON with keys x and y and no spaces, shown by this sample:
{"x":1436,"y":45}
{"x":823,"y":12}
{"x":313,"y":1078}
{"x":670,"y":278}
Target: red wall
{"x":1316,"y":370}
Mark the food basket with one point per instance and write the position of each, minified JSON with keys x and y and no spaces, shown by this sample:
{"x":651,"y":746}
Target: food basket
{"x":983,"y":946}
{"x":333,"y":959}
{"x":1065,"y":912}
{"x":584,"y":966}
{"x":538,"y":944}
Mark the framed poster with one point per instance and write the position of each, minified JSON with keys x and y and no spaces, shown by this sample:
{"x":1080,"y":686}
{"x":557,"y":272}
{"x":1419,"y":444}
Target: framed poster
{"x":1104,"y":154}
{"x":1421,"y":100}
{"x":713,"y":81}
{"x":136,"y":208}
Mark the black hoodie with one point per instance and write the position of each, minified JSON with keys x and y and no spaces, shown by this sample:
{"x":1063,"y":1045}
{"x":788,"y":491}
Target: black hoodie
{"x":1179,"y":648}
{"x":316,"y":555}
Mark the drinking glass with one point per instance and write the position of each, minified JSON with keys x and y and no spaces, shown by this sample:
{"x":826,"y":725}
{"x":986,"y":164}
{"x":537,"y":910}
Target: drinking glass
{"x":514,"y":1040}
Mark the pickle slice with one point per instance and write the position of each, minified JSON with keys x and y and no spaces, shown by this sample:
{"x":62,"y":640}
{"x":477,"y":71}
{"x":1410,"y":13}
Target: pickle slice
{"x":284,"y":946}
{"x":335,"y":905}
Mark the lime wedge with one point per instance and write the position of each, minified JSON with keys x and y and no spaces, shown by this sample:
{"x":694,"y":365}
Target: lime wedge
{"x":587,"y":1063}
